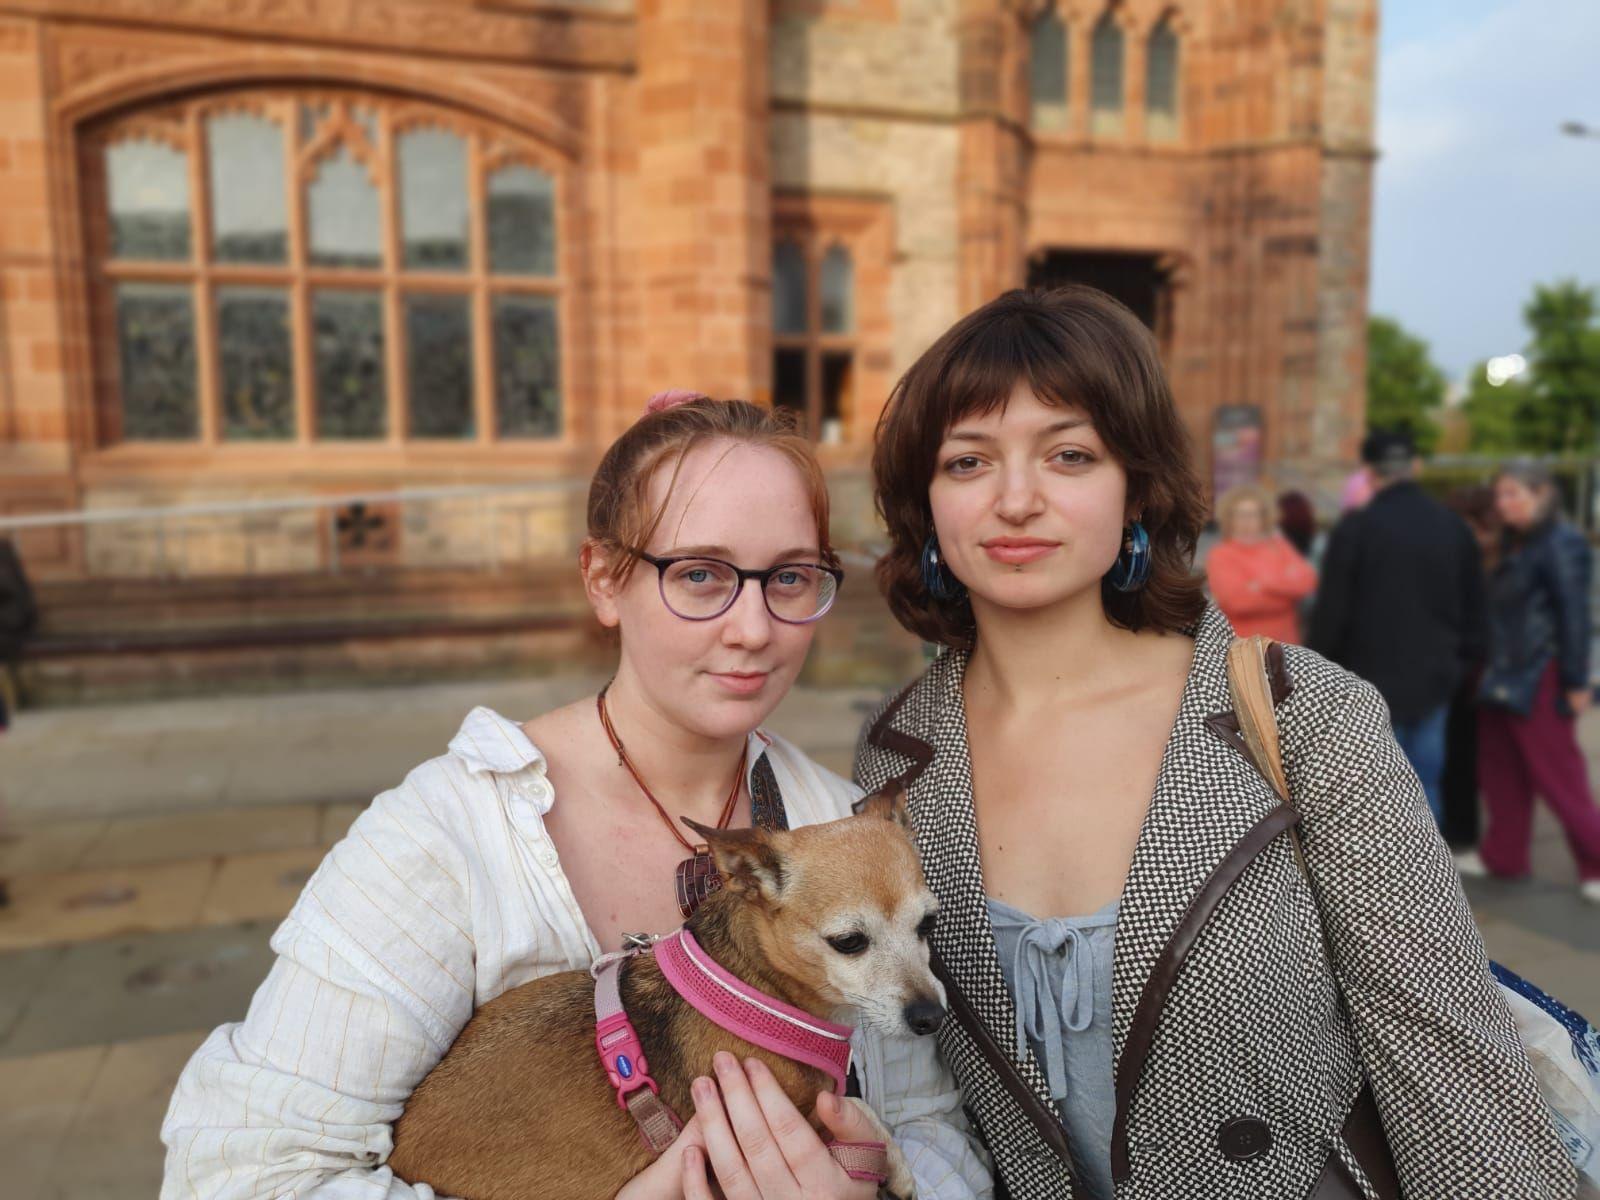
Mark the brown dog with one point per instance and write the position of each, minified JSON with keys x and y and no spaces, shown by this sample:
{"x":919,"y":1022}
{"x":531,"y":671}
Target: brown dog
{"x":831,"y":918}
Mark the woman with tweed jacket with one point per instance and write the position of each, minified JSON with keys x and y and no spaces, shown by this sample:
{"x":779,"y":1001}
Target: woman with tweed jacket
{"x":1152,"y":1000}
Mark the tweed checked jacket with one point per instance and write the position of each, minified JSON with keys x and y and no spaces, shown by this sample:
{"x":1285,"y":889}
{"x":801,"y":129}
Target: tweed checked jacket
{"x":1236,"y":1060}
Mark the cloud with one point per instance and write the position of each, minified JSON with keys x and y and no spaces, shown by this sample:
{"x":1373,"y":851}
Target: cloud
{"x":1478,"y":195}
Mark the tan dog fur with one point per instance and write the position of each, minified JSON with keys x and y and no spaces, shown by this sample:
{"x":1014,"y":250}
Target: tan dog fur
{"x":520,"y":1107}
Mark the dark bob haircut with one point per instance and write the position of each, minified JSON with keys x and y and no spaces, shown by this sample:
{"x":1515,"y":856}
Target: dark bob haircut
{"x":1072,"y":346}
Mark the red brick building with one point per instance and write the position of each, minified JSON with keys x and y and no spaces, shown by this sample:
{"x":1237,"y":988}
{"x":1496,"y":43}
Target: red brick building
{"x":266,"y":248}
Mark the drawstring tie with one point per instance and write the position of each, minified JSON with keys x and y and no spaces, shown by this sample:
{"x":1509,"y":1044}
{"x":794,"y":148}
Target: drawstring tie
{"x":1039,"y":943}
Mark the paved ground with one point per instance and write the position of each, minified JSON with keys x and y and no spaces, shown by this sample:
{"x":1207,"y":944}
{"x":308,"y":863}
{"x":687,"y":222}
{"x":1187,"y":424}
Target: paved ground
{"x":157,"y":847}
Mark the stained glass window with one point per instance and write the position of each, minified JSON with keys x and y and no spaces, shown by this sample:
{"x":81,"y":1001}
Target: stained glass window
{"x":149,"y":200}
{"x":522,"y":222}
{"x":326,"y":211}
{"x":348,"y":327}
{"x":433,"y":200}
{"x":346,"y":229}
{"x":155,"y":334}
{"x":257,"y":371}
{"x":249,"y":222}
{"x":439,"y":365}
{"x":527,"y":359}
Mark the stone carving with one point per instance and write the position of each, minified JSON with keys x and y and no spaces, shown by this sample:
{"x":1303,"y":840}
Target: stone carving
{"x":566,"y":38}
{"x":81,"y":62}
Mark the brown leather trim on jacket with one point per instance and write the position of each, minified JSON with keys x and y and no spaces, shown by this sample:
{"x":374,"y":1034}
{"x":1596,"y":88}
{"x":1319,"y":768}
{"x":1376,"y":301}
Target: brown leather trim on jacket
{"x":1147,"y":1013}
{"x":914,"y":748}
{"x":1226,"y":724}
{"x":1045,"y":1118}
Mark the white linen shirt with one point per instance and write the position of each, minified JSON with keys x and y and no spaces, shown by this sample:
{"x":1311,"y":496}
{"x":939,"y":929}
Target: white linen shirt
{"x":446,"y":892}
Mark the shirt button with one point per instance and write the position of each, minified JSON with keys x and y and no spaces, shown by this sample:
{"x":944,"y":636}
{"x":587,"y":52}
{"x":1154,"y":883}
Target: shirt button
{"x":548,"y":856}
{"x":1244,"y":1138}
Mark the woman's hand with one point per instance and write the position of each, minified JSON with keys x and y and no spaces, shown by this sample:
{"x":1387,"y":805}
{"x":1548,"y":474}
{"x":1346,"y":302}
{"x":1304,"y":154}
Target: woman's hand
{"x":663,"y":1179}
{"x":761,"y":1147}
{"x":1578,"y":700}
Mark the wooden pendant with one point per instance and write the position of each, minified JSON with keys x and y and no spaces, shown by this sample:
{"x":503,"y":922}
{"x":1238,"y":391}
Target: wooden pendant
{"x":697,"y":878}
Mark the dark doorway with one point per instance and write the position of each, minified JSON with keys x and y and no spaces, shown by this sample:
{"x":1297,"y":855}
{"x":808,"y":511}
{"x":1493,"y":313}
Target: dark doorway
{"x":1138,"y":280}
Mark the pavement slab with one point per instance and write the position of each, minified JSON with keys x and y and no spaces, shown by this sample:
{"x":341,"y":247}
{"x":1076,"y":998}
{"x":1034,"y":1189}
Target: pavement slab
{"x":258,"y":886}
{"x":208,"y":833}
{"x":59,"y":846}
{"x":44,"y":1094}
{"x":75,"y":906}
{"x":114,"y":1135}
{"x":125,"y":988}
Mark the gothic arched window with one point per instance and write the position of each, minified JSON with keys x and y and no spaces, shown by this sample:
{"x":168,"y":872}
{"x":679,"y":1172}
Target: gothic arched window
{"x":1105,"y":76}
{"x":294,"y":266}
{"x":1048,"y":72}
{"x":1161,"y":82}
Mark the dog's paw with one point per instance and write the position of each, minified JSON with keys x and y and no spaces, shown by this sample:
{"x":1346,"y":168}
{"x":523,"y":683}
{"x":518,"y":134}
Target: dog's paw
{"x":900,"y":1185}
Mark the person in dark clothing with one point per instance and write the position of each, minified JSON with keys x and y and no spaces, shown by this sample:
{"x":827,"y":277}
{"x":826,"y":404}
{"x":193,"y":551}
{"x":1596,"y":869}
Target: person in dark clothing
{"x":18,"y":615}
{"x":1536,"y":682}
{"x":1297,"y":521}
{"x":1402,"y":603}
{"x":1459,"y":788}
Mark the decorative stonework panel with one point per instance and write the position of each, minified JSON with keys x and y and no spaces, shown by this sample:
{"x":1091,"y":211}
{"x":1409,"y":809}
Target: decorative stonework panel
{"x":601,"y":37}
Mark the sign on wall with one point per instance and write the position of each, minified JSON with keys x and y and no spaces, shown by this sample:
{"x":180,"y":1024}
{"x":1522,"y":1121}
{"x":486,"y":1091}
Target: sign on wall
{"x":1236,"y":446}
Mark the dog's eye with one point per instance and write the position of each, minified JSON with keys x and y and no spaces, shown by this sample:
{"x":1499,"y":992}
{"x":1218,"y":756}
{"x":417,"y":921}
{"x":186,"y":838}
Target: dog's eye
{"x":925,"y":929}
{"x":849,"y":943}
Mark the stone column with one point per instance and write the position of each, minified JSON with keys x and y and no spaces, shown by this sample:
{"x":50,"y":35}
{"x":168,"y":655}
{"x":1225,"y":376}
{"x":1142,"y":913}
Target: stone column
{"x":1349,"y":61}
{"x":38,"y":349}
{"x":704,"y":196}
{"x":991,"y":184}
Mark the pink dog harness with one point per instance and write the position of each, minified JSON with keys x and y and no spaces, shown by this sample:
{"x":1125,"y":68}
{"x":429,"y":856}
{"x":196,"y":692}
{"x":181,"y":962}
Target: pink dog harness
{"x":734,"y":1005}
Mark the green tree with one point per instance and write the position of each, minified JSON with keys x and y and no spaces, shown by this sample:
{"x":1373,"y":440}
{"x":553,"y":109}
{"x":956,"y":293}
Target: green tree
{"x":1404,"y":387}
{"x":1554,"y":406}
{"x":1563,"y":367}
{"x":1496,"y":415}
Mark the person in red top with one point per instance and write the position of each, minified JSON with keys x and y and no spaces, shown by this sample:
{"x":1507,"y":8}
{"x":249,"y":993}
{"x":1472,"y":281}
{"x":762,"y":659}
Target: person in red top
{"x":1257,"y":578}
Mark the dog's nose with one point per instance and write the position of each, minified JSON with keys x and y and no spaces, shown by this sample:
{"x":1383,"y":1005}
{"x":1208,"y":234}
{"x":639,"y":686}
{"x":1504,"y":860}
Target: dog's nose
{"x":924,"y":1016}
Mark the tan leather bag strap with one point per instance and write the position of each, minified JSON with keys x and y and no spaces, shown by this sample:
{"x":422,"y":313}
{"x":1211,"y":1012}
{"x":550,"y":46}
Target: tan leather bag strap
{"x":1251,"y":688}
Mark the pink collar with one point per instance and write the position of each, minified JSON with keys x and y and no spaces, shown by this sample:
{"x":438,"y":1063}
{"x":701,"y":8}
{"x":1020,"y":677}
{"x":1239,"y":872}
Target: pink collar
{"x":751,"y":1014}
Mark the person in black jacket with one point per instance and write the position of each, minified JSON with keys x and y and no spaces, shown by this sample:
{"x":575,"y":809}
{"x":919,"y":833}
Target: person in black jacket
{"x":1536,"y":682}
{"x":18,"y":615}
{"x":1402,"y":603}
{"x":1475,"y":505}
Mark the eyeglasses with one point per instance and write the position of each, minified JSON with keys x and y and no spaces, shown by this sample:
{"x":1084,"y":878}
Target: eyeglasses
{"x":699,"y":589}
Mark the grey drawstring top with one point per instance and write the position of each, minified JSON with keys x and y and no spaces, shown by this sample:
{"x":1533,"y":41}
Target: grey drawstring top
{"x":1058,"y":970}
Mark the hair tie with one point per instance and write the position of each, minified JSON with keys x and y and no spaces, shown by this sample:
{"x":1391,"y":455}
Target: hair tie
{"x":671,"y":398}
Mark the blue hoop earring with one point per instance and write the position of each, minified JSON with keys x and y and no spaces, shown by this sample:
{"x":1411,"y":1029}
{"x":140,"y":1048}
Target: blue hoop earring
{"x":1133,"y":564}
{"x":936,"y":578}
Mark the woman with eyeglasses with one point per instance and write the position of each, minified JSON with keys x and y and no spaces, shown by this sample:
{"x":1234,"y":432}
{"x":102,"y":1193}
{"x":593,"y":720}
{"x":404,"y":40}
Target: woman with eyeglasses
{"x":532,"y":847}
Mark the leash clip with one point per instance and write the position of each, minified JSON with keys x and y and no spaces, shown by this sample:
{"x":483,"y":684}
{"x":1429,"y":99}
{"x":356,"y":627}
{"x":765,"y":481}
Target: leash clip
{"x":622,"y":1055}
{"x":615,"y":1039}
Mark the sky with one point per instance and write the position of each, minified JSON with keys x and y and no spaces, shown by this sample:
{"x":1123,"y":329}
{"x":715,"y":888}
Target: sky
{"x":1479,"y":196}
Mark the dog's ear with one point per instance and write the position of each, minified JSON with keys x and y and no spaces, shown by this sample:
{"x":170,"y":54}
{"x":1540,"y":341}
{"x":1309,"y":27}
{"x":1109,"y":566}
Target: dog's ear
{"x":888,"y":802}
{"x":747,"y":860}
